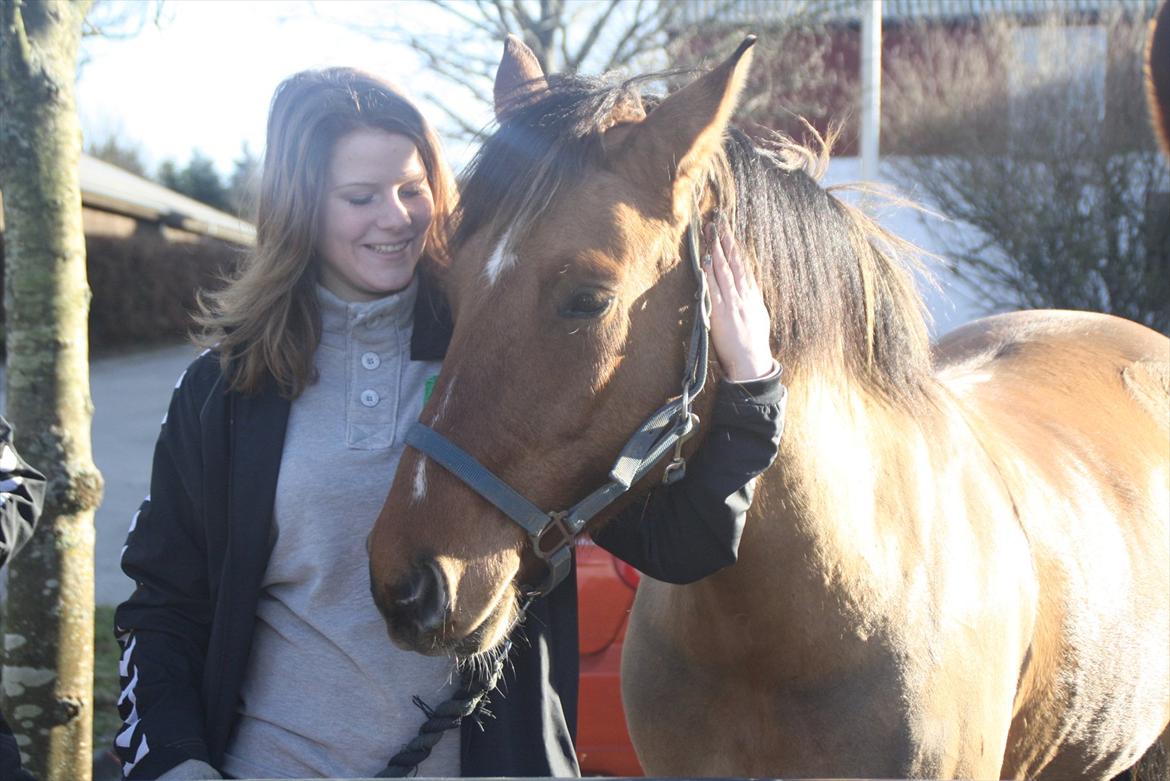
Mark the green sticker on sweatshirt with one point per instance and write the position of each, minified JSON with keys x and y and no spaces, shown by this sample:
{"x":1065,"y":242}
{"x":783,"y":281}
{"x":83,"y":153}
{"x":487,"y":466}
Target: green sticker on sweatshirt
{"x":429,"y":388}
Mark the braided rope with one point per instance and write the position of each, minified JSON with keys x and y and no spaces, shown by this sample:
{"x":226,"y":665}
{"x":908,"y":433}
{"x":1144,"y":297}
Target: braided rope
{"x":468,"y":699}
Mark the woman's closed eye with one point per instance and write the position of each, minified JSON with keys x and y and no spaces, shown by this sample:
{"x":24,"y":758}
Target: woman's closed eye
{"x":413,"y":190}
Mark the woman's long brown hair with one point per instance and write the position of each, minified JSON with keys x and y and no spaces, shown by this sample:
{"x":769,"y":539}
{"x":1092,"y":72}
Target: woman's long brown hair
{"x":265,"y":322}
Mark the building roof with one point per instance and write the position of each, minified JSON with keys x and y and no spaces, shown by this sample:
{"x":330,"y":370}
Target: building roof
{"x":746,"y":11}
{"x":109,"y":188}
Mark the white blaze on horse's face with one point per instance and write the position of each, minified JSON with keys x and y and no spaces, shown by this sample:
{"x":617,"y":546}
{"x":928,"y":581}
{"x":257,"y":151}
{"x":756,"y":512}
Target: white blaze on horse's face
{"x":569,"y":332}
{"x":420,"y":481}
{"x":502,"y":259}
{"x":420,"y":471}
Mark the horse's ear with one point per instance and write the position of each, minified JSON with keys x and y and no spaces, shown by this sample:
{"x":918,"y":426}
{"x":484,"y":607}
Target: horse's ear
{"x":518,"y":78}
{"x":679,"y":137}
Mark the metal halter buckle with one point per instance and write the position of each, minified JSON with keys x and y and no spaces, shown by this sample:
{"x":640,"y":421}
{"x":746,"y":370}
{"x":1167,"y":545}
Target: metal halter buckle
{"x":677,"y":468}
{"x":554,"y":536}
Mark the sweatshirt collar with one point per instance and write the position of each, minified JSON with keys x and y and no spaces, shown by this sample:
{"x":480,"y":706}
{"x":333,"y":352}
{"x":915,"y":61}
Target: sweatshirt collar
{"x":393,"y":311}
{"x":421,"y":302}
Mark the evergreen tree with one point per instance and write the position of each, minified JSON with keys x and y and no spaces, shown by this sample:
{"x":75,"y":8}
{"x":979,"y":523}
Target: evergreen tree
{"x":244,"y":184}
{"x":125,"y":155}
{"x":198,"y":180}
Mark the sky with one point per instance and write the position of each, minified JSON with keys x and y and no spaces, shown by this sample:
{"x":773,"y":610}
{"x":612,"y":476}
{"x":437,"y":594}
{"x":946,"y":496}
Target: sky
{"x":202,"y":78}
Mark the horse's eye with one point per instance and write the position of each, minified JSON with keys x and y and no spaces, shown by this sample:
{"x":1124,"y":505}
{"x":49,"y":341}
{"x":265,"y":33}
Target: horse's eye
{"x":590,"y":302}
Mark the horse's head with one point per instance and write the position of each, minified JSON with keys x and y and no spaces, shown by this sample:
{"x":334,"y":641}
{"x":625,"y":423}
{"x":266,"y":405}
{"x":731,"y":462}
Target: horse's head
{"x":572,"y":316}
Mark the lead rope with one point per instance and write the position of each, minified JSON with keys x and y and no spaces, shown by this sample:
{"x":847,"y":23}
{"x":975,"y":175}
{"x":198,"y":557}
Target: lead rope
{"x":467,"y":700}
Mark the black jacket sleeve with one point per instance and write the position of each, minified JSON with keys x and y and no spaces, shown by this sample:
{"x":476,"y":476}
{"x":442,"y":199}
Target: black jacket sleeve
{"x":22,"y":490}
{"x":163,"y":626}
{"x":686,"y":531}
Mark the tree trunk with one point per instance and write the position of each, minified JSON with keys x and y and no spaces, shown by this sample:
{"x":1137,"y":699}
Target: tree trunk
{"x":48,"y":626}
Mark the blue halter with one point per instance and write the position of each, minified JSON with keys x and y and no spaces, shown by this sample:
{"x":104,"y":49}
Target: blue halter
{"x":552,"y":533}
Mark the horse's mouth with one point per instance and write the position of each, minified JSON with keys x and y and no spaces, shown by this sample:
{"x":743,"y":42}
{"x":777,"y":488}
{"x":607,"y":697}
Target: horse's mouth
{"x":449,"y":640}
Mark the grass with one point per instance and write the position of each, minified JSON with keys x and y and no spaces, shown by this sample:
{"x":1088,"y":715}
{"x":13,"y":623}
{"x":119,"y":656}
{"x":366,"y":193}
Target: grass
{"x":106,"y":687}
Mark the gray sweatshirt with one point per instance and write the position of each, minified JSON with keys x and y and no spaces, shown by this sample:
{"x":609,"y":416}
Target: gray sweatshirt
{"x":326,"y":693}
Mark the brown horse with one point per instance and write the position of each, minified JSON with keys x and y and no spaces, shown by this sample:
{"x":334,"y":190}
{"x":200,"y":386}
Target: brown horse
{"x":959,"y":565}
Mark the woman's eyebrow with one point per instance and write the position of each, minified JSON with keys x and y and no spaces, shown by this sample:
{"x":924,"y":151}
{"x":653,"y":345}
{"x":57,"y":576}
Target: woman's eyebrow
{"x":409,"y":179}
{"x":348,"y":185}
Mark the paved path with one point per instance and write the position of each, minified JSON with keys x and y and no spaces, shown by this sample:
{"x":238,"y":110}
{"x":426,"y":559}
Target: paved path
{"x":130,"y":393}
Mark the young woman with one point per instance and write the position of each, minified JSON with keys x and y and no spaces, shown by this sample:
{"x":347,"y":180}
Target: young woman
{"x":252,"y":647}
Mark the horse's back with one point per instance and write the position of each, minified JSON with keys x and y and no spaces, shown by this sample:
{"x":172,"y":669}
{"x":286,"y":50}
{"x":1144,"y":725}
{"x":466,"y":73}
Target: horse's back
{"x":1074,"y":409}
{"x":1085,"y":378}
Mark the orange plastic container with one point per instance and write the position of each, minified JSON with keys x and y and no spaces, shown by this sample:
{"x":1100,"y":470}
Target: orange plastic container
{"x":605,"y":592}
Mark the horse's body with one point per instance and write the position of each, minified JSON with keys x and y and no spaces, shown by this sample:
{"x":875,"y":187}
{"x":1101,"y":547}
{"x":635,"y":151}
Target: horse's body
{"x":959,"y":565}
{"x":978,"y":590}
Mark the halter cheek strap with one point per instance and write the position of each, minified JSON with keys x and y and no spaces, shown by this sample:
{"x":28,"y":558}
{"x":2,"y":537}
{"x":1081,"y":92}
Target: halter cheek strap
{"x":664,"y":432}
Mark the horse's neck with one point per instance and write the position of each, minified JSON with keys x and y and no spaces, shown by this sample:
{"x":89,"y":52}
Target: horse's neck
{"x":834,"y":518}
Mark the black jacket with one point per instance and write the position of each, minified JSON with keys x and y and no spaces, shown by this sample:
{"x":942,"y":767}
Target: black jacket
{"x":22,"y":491}
{"x":199,"y":546}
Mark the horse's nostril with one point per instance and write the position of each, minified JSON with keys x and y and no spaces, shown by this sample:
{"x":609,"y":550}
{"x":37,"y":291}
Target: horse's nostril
{"x":423,"y":599}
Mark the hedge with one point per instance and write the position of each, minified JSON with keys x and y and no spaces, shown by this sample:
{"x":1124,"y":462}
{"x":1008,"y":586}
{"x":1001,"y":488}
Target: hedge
{"x":144,"y":287}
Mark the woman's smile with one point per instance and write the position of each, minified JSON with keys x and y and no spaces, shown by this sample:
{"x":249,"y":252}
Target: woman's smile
{"x":376,"y":211}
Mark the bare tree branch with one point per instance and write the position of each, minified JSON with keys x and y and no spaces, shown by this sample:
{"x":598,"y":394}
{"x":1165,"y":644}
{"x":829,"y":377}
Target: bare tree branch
{"x":465,"y":128}
{"x":573,"y":35}
{"x":121,"y":21}
{"x":483,"y":24}
{"x":573,"y":62}
{"x":616,"y":56}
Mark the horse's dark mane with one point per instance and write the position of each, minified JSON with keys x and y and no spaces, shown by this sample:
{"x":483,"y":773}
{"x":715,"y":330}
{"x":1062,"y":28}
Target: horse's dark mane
{"x":834,"y":282}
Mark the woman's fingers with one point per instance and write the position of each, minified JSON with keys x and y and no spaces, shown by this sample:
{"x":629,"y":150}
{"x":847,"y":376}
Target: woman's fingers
{"x":727,"y":285}
{"x":712,"y":282}
{"x":730,"y":250}
{"x":740,"y":325}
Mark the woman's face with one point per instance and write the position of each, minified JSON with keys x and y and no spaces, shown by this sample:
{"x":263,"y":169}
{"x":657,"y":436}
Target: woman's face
{"x":374,"y":219}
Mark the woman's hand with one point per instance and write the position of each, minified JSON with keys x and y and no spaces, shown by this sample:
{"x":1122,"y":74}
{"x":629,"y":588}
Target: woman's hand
{"x":740,"y":324}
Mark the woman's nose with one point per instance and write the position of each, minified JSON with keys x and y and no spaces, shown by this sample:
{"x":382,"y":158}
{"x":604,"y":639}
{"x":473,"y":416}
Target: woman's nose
{"x":394,"y":215}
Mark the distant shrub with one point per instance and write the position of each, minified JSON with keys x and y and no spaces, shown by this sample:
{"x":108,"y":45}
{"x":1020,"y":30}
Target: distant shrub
{"x":1036,"y":135}
{"x":144,"y":287}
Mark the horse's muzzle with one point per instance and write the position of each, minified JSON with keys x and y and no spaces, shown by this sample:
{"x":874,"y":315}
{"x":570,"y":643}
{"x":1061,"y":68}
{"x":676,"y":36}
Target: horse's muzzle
{"x":415,"y":608}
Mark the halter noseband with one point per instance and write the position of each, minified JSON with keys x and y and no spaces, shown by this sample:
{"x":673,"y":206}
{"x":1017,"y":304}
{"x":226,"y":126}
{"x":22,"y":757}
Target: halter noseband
{"x":552,"y":533}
